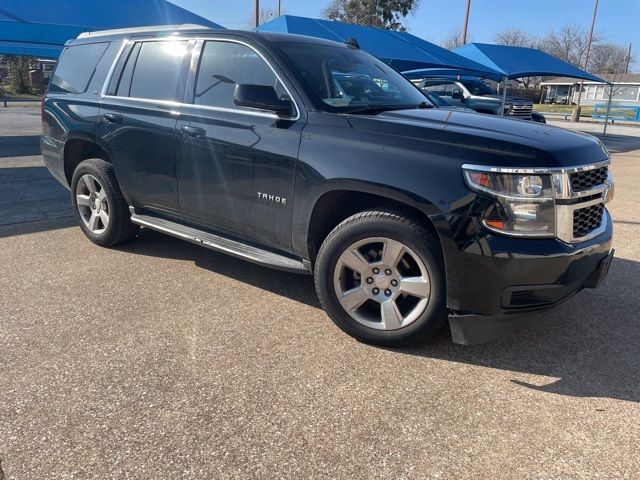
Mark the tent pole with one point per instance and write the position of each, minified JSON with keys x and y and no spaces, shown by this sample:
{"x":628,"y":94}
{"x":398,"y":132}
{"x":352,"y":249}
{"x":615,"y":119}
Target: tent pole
{"x":256,"y":13}
{"x":504,"y":95}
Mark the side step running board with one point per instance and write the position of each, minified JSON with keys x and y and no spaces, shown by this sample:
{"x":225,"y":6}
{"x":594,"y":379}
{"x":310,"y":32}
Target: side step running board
{"x":221,"y":244}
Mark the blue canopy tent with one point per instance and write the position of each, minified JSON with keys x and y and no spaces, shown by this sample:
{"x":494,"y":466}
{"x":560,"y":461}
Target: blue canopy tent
{"x":509,"y":62}
{"x":401,"y":50}
{"x":40,"y":28}
{"x":518,"y":62}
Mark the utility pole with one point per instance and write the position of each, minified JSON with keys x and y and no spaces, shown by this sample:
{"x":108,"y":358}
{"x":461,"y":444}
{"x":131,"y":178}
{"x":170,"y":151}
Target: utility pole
{"x":626,"y":67}
{"x":256,"y":13}
{"x":466,"y":23}
{"x":279,"y":9}
{"x":575,"y":115}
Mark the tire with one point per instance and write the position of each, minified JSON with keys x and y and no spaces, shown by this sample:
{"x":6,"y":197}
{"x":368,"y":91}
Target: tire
{"x":114,"y":228}
{"x":368,"y":241}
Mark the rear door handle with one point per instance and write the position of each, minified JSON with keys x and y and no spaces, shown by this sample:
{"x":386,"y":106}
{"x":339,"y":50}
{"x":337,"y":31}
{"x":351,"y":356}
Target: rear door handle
{"x":192,"y":131}
{"x":113,"y":117}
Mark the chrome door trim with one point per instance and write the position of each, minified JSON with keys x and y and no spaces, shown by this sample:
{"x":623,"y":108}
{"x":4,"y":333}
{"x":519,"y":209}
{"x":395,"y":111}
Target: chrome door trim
{"x":199,"y":42}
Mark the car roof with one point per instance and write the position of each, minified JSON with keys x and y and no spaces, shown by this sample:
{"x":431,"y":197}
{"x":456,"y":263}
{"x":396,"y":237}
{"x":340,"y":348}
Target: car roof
{"x":192,"y":30}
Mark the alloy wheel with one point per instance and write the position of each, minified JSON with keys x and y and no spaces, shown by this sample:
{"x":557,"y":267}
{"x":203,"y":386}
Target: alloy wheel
{"x":92,"y":203}
{"x":382,"y":283}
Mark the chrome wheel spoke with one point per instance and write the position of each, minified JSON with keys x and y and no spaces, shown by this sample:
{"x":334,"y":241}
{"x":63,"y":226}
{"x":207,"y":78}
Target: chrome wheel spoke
{"x":83,"y":200}
{"x":354,"y":298}
{"x":392,"y":252}
{"x":390,"y":315}
{"x":354,"y":260}
{"x":104,"y":216}
{"x":93,"y":221}
{"x":89,"y":183}
{"x":416,"y":286}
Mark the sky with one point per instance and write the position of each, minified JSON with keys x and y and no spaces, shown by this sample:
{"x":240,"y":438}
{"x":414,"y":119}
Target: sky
{"x":618,"y":20}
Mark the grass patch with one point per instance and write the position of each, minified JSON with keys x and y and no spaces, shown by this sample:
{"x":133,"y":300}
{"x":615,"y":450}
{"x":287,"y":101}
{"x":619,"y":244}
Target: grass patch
{"x":585,"y":111}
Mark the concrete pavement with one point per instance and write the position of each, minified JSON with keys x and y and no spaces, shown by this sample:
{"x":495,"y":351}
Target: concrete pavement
{"x":161,"y":359}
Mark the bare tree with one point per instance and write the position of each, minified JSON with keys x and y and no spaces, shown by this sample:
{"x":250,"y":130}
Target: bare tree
{"x":611,"y":90}
{"x":266,"y":15}
{"x":608,"y":58}
{"x":515,"y":38}
{"x":568,"y":43}
{"x":387,"y":14}
{"x":19,"y":73}
{"x":453,"y":40}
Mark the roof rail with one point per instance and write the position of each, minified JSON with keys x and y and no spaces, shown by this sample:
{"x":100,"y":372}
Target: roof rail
{"x":151,"y":28}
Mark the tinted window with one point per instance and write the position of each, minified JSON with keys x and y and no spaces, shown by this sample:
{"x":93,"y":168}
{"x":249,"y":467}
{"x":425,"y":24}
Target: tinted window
{"x":157,"y":69}
{"x":124,"y":84}
{"x":224,"y":65}
{"x":438,"y":87}
{"x":76,"y":67}
{"x":478,"y":88}
{"x":342,"y":78}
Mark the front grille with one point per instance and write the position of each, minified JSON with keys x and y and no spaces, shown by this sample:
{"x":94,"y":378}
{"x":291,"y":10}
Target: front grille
{"x":582,"y":181}
{"x":521,"y":111}
{"x":586,"y":220}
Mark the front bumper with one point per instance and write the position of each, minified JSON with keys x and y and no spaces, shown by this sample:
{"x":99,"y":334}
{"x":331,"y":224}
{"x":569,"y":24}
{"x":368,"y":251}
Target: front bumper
{"x":499,"y":280}
{"x":476,"y":329}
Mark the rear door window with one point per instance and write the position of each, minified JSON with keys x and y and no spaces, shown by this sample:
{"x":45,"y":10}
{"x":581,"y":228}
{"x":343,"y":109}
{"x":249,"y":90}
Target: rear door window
{"x":156,"y":72}
{"x":76,"y":67}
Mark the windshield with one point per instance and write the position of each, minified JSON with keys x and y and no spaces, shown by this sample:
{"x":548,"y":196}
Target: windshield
{"x":476,"y":87}
{"x":343,"y":79}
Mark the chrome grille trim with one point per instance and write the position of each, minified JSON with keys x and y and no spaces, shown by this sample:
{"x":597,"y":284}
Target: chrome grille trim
{"x":565,"y":211}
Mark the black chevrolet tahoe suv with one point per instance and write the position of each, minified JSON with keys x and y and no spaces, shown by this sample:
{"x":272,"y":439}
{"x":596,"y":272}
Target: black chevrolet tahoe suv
{"x":256,"y":145}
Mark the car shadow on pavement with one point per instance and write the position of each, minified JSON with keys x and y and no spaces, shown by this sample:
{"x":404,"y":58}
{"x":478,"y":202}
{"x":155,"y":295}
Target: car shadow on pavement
{"x":19,"y":145}
{"x":617,"y":143}
{"x":298,"y":287}
{"x":590,"y":344}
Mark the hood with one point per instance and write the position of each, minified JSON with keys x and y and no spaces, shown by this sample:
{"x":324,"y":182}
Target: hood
{"x":500,"y":141}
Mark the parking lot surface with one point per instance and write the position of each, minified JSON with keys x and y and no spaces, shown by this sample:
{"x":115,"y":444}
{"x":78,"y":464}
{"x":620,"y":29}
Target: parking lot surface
{"x":161,"y":359}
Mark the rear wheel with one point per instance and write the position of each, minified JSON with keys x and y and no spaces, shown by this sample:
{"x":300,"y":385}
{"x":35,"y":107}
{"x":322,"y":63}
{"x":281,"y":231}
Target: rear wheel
{"x":100,"y":208}
{"x":379,"y":276}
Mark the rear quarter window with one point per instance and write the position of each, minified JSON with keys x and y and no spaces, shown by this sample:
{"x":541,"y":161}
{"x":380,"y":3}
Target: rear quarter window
{"x":76,"y":67}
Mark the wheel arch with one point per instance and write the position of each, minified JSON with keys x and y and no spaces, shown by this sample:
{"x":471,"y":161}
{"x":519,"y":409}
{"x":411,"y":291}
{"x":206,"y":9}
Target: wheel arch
{"x":79,"y":147}
{"x":335,"y":204}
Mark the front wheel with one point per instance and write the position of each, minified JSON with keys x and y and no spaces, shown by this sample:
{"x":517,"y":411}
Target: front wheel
{"x":379,"y":276}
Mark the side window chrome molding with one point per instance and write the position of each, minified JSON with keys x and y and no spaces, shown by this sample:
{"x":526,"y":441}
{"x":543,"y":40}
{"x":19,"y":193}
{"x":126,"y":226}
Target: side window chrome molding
{"x":200,"y":45}
{"x":246,"y":111}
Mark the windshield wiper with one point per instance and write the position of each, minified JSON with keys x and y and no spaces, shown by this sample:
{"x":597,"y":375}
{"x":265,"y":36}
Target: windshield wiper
{"x":376,"y":107}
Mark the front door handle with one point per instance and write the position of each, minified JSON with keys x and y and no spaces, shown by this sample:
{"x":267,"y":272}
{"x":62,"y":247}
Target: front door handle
{"x":192,"y":131}
{"x":113,"y":117}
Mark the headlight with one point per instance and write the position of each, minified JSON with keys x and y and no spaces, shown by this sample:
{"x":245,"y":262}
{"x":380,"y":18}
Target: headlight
{"x":525,"y":203}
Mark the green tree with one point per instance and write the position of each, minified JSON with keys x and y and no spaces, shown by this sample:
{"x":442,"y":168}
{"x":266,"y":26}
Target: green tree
{"x":387,"y":14}
{"x":19,"y":73}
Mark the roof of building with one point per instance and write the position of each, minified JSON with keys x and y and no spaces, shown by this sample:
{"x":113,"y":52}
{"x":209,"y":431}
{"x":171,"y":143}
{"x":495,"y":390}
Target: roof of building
{"x":609,"y":77}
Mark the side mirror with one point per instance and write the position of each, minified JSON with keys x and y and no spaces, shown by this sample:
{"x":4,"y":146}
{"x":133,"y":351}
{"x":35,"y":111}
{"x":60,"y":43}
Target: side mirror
{"x":263,"y":97}
{"x":456,"y":94}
